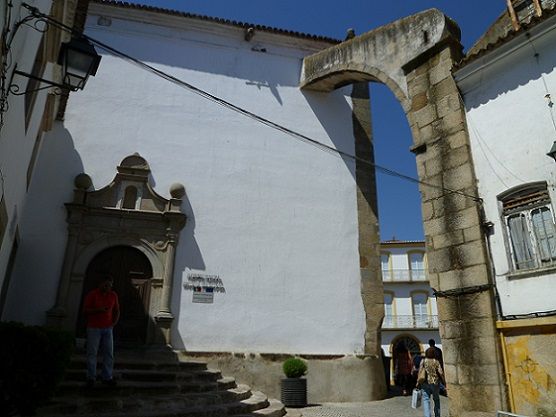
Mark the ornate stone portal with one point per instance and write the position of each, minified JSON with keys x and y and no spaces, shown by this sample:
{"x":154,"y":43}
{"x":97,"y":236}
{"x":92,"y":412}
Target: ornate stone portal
{"x":129,"y":213}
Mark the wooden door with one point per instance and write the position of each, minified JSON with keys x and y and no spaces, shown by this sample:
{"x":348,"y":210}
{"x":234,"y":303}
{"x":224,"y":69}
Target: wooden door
{"x":132,"y":272}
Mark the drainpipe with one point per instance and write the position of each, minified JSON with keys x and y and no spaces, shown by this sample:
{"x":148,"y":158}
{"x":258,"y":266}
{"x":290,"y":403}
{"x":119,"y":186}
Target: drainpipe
{"x":488,"y":228}
{"x":507,"y":370}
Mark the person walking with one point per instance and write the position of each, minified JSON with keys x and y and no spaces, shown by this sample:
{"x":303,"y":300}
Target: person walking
{"x":438,"y":356}
{"x":403,"y":364}
{"x":415,"y":370}
{"x":102,"y":309}
{"x":430,"y":387}
{"x":437,"y":352}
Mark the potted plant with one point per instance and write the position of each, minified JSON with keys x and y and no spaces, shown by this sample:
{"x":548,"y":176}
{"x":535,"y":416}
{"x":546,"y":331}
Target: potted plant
{"x":294,"y":387}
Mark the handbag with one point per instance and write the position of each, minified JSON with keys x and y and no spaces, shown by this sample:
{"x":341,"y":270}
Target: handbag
{"x":416,"y":396}
{"x":422,"y":375}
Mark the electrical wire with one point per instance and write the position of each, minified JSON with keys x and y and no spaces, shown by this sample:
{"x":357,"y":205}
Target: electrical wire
{"x":296,"y":135}
{"x":483,"y":144}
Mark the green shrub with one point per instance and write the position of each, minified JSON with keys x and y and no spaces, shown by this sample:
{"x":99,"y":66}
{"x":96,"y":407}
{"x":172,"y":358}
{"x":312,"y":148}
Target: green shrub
{"x":294,"y":368}
{"x":33,"y":363}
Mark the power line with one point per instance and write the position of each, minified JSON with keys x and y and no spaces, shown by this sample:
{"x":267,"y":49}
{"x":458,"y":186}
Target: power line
{"x":296,"y":135}
{"x":482,"y":143}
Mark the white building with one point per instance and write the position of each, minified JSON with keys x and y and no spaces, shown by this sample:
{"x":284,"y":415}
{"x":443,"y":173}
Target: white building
{"x":26,"y":112}
{"x":259,"y":254}
{"x":508,"y":84}
{"x":410,"y":313}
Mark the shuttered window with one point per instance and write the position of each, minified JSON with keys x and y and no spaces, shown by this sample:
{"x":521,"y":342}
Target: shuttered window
{"x":530,"y":225}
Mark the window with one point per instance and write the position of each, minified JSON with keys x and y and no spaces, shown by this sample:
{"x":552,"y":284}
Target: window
{"x":385,"y":264}
{"x":417,"y":266}
{"x":33,"y":159}
{"x":7,"y":277}
{"x":388,"y":310}
{"x":130,"y":197}
{"x":3,"y":219}
{"x":529,"y":222}
{"x":33,"y":85}
{"x":419,"y":301}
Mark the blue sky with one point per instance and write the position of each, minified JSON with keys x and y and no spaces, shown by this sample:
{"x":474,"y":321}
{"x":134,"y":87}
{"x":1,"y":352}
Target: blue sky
{"x":399,"y":202}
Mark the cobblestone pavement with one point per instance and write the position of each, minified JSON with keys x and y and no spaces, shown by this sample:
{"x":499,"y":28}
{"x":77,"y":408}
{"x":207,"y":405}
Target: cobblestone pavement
{"x":391,"y":407}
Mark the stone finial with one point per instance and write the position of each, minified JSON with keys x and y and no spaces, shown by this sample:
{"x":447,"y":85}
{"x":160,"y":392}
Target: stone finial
{"x":82,"y":181}
{"x":249,"y":33}
{"x":177,"y":190}
{"x":133,"y":164}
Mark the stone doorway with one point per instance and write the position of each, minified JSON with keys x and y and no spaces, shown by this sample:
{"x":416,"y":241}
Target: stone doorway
{"x":401,"y":343}
{"x":132,"y":273}
{"x":409,"y":342}
{"x":127,"y":230}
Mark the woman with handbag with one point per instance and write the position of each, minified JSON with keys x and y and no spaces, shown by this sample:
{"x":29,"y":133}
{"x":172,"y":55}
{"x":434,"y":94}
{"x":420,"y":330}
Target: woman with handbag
{"x":429,"y":378}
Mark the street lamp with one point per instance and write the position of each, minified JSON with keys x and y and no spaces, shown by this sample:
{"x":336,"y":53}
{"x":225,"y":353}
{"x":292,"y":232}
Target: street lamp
{"x":78,"y":59}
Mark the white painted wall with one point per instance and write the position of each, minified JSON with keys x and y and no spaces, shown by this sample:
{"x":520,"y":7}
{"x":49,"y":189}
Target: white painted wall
{"x":17,"y":141}
{"x":511,"y":130}
{"x":275,"y":218}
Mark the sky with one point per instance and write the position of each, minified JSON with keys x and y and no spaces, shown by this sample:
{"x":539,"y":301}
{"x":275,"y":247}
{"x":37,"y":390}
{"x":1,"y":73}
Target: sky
{"x":398,"y":200}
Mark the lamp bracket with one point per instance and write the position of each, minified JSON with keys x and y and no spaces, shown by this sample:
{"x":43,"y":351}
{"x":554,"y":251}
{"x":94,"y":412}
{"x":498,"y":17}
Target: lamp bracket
{"x":15,"y":89}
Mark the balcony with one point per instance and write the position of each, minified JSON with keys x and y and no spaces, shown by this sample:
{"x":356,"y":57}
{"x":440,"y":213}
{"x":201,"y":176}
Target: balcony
{"x":410,"y":322}
{"x":404,"y":275}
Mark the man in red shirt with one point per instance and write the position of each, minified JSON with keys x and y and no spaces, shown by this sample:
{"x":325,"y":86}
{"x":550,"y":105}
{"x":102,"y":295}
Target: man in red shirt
{"x":102,"y":310}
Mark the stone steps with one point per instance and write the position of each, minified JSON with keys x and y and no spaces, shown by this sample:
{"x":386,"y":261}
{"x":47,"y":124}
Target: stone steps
{"x":160,"y":387}
{"x":254,"y":403}
{"x":275,"y":409}
{"x":153,"y":375}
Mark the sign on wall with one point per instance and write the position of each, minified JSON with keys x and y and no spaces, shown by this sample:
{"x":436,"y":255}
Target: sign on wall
{"x":203,"y":287}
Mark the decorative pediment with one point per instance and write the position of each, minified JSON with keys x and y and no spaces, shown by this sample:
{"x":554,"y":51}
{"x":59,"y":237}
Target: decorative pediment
{"x":129,"y":190}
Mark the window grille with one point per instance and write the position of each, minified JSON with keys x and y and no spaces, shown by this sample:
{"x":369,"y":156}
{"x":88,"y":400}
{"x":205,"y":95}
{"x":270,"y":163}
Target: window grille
{"x":529,"y":222}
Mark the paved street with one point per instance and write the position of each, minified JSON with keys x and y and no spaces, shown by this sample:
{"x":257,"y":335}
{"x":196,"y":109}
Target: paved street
{"x":391,"y":407}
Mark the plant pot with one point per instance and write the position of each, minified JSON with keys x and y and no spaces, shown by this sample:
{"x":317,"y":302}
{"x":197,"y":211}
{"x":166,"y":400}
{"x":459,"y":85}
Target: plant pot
{"x":294,"y":392}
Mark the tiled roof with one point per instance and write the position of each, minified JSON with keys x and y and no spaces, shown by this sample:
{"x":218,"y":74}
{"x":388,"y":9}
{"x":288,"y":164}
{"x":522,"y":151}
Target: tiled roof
{"x":502,"y":32}
{"x":245,"y":25}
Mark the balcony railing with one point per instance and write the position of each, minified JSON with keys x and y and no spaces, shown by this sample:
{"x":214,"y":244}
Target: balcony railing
{"x":410,"y":322}
{"x":394,"y":275}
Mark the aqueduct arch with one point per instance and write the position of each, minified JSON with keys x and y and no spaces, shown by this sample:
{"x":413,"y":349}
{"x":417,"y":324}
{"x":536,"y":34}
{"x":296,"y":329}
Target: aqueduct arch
{"x":414,"y":57}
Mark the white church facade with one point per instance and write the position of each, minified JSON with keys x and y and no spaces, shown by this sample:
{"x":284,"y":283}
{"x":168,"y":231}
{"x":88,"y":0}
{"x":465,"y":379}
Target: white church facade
{"x":224,"y":236}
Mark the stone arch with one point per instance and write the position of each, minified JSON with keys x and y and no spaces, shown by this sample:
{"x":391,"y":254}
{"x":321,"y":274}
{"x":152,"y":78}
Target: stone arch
{"x":106,"y":242}
{"x":405,"y":336}
{"x":414,"y":57}
{"x":412,"y":346}
{"x":132,"y":275}
{"x":356,"y":72}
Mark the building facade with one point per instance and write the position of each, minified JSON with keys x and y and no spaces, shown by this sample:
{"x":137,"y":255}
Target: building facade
{"x":410,"y":311}
{"x":27,"y":111}
{"x":220,"y":232}
{"x":216,"y":228}
{"x":508,"y":84}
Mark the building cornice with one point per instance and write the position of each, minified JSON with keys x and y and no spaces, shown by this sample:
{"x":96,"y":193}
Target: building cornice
{"x":168,"y":17}
{"x":519,"y":41}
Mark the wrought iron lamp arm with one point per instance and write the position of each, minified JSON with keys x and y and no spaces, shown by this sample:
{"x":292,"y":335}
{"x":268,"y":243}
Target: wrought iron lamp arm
{"x":15,"y":89}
